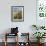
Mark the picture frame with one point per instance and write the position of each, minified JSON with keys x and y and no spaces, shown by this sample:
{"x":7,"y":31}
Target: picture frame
{"x":17,"y":13}
{"x":41,"y":12}
{"x":41,"y":8}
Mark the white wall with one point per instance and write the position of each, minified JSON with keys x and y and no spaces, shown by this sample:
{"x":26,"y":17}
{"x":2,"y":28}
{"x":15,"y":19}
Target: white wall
{"x":29,"y":15}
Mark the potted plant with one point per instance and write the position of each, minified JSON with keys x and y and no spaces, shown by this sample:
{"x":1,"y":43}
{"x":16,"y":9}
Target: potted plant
{"x":42,"y":27}
{"x":39,"y":35}
{"x":35,"y":26}
{"x":38,"y":27}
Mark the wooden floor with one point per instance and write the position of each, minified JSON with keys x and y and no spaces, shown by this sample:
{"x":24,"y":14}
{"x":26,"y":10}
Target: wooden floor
{"x":13,"y":44}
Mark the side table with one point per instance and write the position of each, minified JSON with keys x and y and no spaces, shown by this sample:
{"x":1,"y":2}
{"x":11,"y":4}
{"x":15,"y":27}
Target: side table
{"x":9,"y":34}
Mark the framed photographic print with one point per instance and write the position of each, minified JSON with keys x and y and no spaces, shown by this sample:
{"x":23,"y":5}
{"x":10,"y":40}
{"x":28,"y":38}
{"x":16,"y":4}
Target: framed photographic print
{"x":17,"y":13}
{"x":41,"y":12}
{"x":41,"y":8}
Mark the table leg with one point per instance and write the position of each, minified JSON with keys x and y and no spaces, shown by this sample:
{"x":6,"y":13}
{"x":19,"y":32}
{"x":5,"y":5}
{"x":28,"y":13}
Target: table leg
{"x":5,"y":40}
{"x":17,"y":39}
